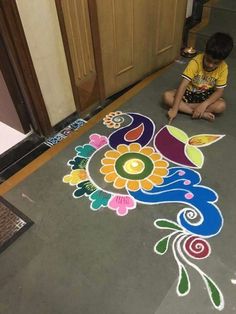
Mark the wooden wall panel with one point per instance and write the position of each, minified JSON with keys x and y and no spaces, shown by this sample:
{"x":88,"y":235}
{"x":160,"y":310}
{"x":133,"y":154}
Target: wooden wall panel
{"x":123,"y":32}
{"x":76,"y":17}
{"x":166,"y":24}
{"x":136,"y":37}
{"x":168,"y":29}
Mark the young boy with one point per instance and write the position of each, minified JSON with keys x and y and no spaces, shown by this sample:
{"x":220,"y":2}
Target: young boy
{"x":204,"y":79}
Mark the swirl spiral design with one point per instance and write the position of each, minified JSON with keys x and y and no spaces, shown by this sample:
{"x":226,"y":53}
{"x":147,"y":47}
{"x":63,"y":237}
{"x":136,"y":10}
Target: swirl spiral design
{"x":197,"y":248}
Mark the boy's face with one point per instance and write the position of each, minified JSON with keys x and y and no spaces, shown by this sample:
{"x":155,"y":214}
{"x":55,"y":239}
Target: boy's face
{"x":210,"y":64}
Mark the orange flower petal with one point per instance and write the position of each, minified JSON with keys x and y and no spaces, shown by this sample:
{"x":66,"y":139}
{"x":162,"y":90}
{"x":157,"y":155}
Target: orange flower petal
{"x":119,"y":183}
{"x":108,"y":161}
{"x":155,"y":156}
{"x":146,"y":184}
{"x":122,"y":148}
{"x":161,"y":163}
{"x":157,"y":180}
{"x":134,"y":147}
{"x":133,"y":185}
{"x":160,"y":171}
{"x":147,"y":150}
{"x":110,"y":177}
{"x":112,"y":154}
{"x":107,"y":169}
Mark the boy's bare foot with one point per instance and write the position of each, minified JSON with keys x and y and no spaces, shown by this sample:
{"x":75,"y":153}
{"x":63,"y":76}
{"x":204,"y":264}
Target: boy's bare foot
{"x":208,"y":116}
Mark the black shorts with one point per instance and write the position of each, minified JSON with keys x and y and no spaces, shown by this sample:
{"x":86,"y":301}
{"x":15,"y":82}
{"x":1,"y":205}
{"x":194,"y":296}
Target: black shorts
{"x":197,"y":97}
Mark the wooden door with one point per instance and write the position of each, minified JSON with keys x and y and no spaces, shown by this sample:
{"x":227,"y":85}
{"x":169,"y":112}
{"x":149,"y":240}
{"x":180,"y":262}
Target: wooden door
{"x":167,"y":31}
{"x":129,"y":38}
{"x":123,"y":28}
{"x":77,"y":37}
{"x":137,"y":37}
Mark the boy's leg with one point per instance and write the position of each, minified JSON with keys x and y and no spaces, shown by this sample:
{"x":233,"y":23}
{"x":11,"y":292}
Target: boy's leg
{"x":217,"y":107}
{"x":168,"y":98}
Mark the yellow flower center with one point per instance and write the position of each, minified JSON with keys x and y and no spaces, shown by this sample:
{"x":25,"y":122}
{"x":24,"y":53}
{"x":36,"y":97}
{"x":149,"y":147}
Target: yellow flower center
{"x":134,"y":166}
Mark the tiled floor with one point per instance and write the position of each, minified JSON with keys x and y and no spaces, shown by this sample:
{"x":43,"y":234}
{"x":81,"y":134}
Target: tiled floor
{"x":78,"y":260}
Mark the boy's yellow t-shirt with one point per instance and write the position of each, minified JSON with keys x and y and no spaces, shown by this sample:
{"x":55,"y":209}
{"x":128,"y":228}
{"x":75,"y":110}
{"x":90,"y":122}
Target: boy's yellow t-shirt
{"x":201,"y":80}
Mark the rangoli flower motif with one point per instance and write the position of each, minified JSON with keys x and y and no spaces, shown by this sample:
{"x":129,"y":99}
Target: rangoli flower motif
{"x":75,"y":177}
{"x":113,"y":120}
{"x":134,"y":167}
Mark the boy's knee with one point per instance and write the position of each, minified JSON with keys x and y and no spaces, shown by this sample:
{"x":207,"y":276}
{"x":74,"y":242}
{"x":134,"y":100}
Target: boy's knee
{"x":165,"y":96}
{"x":221,"y":106}
{"x":168,"y":97}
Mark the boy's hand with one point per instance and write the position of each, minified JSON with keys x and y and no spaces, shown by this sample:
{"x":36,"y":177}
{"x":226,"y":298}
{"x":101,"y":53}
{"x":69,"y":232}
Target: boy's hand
{"x":199,"y":111}
{"x":172,"y":113}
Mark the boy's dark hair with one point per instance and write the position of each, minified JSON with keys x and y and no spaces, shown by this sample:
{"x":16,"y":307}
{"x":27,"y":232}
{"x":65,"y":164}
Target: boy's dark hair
{"x":219,"y":46}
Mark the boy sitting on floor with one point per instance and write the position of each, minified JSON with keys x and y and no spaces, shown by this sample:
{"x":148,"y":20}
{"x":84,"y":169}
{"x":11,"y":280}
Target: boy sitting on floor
{"x":204,"y":79}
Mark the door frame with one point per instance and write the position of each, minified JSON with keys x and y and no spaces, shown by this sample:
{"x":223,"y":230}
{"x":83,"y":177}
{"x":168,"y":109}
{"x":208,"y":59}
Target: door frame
{"x":14,"y":39}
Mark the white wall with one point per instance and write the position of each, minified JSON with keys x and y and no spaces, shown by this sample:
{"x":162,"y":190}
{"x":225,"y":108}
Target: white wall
{"x":189,"y":8}
{"x":43,"y":35}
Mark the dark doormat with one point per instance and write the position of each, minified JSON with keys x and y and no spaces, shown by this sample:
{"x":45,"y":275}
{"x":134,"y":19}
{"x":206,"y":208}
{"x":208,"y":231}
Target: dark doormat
{"x":12,"y":223}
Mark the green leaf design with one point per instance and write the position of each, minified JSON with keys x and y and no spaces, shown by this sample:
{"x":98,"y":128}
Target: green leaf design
{"x":184,"y":284}
{"x":214,"y":293}
{"x":166,"y":224}
{"x":162,"y":245}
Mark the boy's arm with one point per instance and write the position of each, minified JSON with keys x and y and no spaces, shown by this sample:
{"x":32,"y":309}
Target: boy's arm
{"x":201,"y":108}
{"x":177,"y":99}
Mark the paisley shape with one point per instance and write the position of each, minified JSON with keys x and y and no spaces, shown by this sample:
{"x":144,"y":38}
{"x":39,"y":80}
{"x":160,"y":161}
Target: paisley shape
{"x":134,"y":134}
{"x":119,"y":136}
{"x":214,"y":293}
{"x":161,"y":246}
{"x":194,"y":155}
{"x":166,"y":224}
{"x":201,"y":140}
{"x":183,"y":284}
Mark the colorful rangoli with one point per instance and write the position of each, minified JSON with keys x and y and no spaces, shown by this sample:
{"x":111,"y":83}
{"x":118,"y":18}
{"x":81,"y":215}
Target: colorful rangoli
{"x":135,"y":168}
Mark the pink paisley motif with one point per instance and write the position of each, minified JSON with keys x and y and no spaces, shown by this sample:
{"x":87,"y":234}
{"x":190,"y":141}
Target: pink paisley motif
{"x":196,"y":247}
{"x":97,"y":140}
{"x":121,"y":204}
